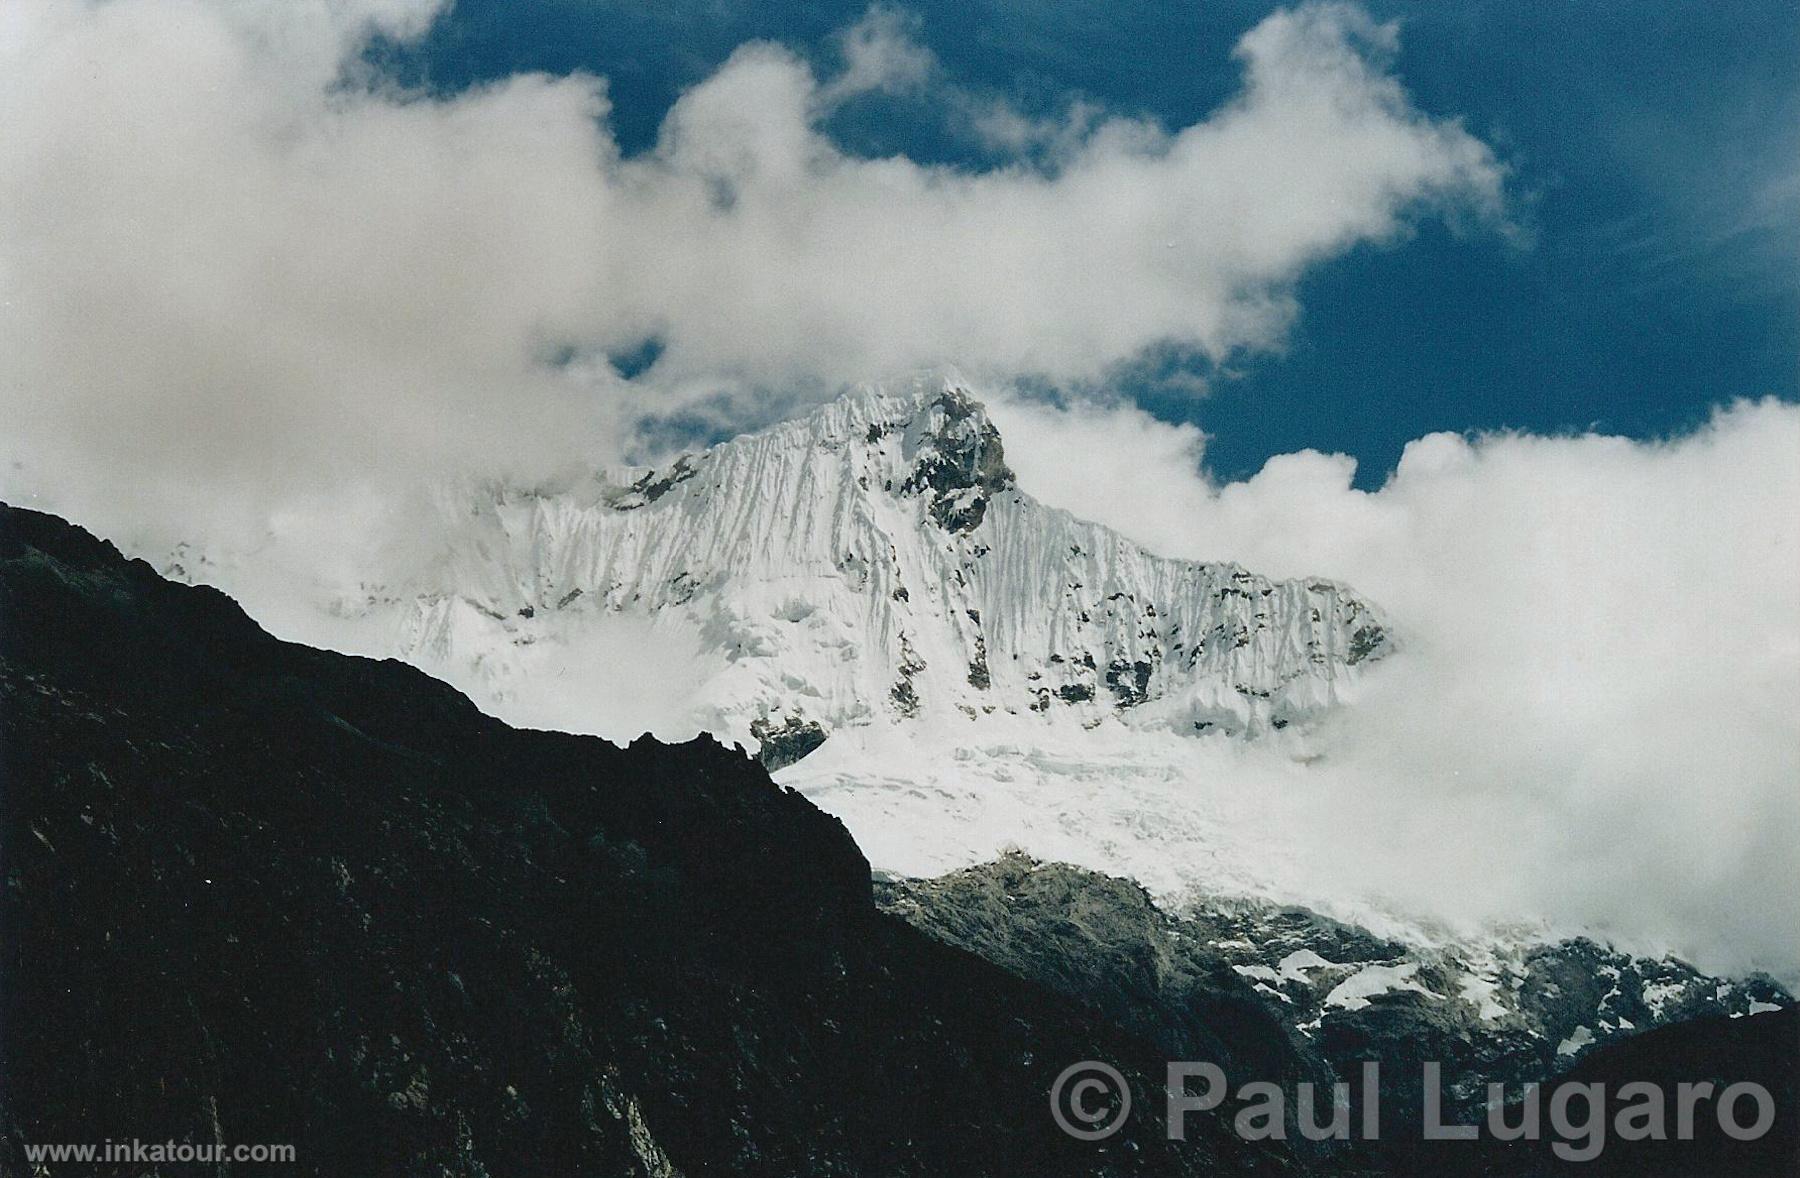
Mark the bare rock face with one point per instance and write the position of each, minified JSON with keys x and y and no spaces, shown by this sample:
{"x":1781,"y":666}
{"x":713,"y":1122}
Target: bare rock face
{"x":961,"y":463}
{"x":780,"y":745}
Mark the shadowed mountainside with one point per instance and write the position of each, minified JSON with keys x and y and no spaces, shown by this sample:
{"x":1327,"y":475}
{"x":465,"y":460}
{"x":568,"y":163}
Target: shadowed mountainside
{"x":260,"y":893}
{"x":1273,"y":994}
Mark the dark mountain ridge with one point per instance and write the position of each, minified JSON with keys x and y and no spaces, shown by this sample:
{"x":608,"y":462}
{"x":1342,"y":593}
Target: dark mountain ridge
{"x":258,"y":893}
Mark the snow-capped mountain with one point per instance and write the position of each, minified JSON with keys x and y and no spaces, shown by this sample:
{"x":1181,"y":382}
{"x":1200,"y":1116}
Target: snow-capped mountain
{"x":866,"y":598}
{"x":874,"y":563}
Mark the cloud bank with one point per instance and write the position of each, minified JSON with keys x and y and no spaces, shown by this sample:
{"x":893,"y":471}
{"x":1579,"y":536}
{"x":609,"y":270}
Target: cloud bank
{"x":1593,"y":717}
{"x":237,"y":268}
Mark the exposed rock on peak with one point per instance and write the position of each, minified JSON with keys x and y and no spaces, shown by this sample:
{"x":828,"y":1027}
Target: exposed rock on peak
{"x":960,"y":461}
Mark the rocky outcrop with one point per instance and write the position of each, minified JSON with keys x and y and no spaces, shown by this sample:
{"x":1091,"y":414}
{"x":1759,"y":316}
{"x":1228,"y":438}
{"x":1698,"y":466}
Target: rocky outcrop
{"x":781,"y":745}
{"x":961,"y":463}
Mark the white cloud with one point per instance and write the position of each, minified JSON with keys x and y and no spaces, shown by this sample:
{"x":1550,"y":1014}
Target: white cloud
{"x":805,"y":260}
{"x":237,"y":274}
{"x":228,"y":285}
{"x":881,"y":54}
{"x":1593,"y":718}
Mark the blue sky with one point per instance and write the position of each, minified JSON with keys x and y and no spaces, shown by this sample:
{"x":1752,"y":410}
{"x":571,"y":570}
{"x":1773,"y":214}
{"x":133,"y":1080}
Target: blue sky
{"x":1657,"y":272}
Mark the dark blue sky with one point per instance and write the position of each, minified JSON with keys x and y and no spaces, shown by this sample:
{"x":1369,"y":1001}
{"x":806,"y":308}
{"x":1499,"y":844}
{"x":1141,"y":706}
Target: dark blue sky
{"x":1649,"y":145}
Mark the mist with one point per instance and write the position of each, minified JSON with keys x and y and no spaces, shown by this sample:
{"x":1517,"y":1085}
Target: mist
{"x":1590,"y":718}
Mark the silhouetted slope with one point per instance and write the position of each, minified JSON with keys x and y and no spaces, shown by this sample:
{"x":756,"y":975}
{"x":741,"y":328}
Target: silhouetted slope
{"x":1761,"y":1049}
{"x":261,"y":893}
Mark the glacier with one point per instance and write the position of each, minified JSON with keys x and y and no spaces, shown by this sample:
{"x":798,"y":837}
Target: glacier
{"x":869,"y":564}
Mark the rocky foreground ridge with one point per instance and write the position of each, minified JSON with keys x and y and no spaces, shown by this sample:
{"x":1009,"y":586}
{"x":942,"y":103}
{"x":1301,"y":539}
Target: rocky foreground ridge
{"x":256,"y":892}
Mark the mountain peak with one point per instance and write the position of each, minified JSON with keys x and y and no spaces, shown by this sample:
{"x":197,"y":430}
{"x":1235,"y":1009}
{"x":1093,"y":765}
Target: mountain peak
{"x":928,"y":438}
{"x":873,"y":562}
{"x":958,"y":460}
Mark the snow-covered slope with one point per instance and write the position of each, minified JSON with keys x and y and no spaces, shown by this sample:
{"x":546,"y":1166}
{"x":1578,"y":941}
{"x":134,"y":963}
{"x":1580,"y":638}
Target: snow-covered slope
{"x":872,"y":563}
